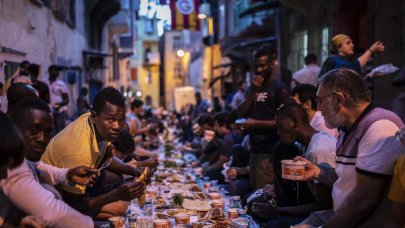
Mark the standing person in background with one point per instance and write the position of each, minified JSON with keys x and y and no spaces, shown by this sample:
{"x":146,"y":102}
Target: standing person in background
{"x":83,"y":105}
{"x":259,"y":107}
{"x":201,"y":106}
{"x":280,"y":71}
{"x":1,"y":96}
{"x":239,"y":95}
{"x":342,"y":50}
{"x":308,"y":74}
{"x":22,"y":75}
{"x":59,"y":97}
{"x":40,"y":86}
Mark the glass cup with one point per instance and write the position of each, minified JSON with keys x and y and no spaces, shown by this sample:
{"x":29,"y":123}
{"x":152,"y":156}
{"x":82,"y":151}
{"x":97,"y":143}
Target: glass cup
{"x":182,"y":218}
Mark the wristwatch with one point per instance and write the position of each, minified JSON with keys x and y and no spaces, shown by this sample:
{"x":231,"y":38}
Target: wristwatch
{"x":70,"y":183}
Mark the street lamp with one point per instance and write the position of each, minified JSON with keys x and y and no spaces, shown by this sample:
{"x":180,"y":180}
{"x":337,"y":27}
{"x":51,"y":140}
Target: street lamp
{"x":207,"y":27}
{"x":180,"y":53}
{"x":204,"y":11}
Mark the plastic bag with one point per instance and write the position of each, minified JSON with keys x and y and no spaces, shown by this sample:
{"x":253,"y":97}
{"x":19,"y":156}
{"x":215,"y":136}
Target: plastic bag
{"x":382,"y":70}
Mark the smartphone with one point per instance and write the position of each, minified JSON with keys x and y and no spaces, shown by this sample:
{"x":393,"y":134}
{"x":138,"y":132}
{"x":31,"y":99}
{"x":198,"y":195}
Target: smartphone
{"x":240,"y":121}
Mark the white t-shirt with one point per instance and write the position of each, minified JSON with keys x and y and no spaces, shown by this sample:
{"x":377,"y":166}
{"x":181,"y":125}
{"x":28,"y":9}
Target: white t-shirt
{"x":318,"y":123}
{"x":306,"y":75}
{"x":237,"y":99}
{"x":322,"y":149}
{"x":56,"y":89}
{"x":377,"y":152}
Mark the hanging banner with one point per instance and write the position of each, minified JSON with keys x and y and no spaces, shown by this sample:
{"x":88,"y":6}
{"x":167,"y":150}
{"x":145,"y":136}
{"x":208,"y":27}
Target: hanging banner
{"x":185,"y":14}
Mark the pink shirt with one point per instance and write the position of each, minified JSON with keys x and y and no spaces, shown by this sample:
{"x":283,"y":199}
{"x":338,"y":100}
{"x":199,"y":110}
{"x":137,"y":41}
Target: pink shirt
{"x":27,"y":193}
{"x":318,"y":123}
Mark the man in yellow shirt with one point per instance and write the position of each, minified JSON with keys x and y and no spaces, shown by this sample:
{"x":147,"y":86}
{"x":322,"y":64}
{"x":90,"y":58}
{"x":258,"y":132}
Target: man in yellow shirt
{"x":86,"y":142}
{"x":396,"y":218}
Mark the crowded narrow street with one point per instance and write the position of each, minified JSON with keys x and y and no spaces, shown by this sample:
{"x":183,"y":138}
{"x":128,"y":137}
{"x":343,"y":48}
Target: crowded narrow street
{"x":202,"y":113}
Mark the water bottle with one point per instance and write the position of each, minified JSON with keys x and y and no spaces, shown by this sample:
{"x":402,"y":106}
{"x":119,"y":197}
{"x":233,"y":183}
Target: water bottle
{"x":235,"y":202}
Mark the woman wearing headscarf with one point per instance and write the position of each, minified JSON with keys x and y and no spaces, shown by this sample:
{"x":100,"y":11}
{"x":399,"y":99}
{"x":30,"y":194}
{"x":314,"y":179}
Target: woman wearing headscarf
{"x":342,"y":48}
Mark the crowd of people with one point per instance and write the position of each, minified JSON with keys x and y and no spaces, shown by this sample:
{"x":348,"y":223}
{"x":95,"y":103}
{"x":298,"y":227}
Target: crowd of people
{"x":69,"y":176}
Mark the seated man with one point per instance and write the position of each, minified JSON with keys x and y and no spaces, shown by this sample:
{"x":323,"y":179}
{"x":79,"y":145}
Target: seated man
{"x":86,"y":142}
{"x":396,"y":217}
{"x":230,"y":137}
{"x":25,"y":186}
{"x":292,"y":125}
{"x":11,"y":157}
{"x":238,"y":173}
{"x":123,"y":149}
{"x":305,"y":95}
{"x":365,"y":153}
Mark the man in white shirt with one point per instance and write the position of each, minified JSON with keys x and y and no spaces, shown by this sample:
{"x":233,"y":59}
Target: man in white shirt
{"x":239,"y":95}
{"x":308,"y":74}
{"x":305,"y":95}
{"x":59,"y":97}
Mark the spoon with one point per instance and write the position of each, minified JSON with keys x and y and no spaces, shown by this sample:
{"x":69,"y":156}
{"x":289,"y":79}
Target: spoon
{"x":105,"y":164}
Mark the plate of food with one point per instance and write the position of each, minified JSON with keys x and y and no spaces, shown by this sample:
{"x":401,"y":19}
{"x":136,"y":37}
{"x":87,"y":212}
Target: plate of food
{"x":172,"y":212}
{"x":197,"y":205}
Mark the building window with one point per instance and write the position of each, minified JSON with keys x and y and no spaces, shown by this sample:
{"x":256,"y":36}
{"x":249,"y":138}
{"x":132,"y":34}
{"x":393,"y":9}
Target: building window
{"x":149,"y":78}
{"x":178,"y":70}
{"x":305,"y":43}
{"x":64,"y":10}
{"x":176,"y":43}
{"x":47,"y":3}
{"x":71,"y":13}
{"x":149,"y":26}
{"x":10,"y":68}
{"x":325,"y":44}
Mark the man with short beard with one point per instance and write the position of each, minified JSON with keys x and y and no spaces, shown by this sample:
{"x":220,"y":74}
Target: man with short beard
{"x":86,"y":142}
{"x":366,"y":152}
{"x":259,"y":108}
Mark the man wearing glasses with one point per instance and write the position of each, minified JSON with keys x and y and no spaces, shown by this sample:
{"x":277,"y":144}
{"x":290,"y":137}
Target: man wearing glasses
{"x":365,"y":153}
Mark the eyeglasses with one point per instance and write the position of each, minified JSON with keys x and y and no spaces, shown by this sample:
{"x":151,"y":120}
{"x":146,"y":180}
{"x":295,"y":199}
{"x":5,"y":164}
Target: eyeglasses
{"x":319,"y":99}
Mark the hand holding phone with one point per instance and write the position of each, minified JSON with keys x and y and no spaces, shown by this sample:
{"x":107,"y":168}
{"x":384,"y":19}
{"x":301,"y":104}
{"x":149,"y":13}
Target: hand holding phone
{"x":240,"y":121}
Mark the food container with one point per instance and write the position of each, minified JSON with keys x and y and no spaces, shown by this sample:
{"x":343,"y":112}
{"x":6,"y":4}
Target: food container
{"x":198,"y":170}
{"x":182,"y":218}
{"x":292,"y":170}
{"x":214,"y":195}
{"x":161,"y":223}
{"x":132,"y":220}
{"x":117,"y":222}
{"x":241,"y":223}
{"x":144,"y":222}
{"x":151,"y":192}
{"x":218,"y":204}
{"x":241,"y":212}
{"x":232,"y":213}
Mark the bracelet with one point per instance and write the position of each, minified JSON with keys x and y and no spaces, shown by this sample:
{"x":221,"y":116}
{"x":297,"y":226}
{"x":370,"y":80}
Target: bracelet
{"x":370,"y":51}
{"x":71,"y":184}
